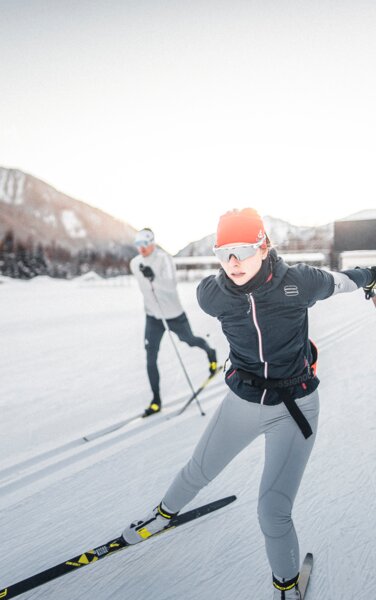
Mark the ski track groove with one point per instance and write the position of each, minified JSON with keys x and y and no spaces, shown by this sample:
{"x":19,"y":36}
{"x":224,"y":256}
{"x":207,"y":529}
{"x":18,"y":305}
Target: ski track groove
{"x":29,"y":475}
{"x":88,"y":450}
{"x":73,"y":444}
{"x":52,"y":466}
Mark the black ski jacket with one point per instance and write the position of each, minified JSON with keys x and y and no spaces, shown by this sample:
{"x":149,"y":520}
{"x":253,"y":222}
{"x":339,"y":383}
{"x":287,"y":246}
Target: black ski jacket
{"x":267,"y":329}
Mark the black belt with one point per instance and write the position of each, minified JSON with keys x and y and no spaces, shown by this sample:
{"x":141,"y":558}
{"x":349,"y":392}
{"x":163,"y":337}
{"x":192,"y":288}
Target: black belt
{"x":285,"y":386}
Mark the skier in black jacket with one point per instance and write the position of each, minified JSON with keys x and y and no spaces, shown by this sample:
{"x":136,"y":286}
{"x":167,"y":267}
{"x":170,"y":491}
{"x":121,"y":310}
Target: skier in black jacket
{"x":262,"y":305}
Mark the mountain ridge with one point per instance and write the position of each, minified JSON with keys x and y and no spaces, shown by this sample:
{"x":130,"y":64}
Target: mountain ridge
{"x":35,"y":211}
{"x":38,"y":213}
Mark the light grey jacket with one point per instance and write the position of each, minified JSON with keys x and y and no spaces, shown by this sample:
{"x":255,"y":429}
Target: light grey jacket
{"x":164,"y":284}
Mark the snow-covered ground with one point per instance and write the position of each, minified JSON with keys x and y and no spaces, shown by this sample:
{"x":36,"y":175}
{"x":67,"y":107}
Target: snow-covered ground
{"x":72,"y":362}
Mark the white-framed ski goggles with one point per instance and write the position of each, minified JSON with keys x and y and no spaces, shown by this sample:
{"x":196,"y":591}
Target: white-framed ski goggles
{"x":144,"y":238}
{"x":143,"y":243}
{"x":224,"y":253}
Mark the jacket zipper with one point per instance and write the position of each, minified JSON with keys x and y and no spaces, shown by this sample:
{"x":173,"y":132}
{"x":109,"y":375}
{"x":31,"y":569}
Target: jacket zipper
{"x":252,"y":305}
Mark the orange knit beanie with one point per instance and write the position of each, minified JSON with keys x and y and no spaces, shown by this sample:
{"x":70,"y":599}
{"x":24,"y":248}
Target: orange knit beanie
{"x":240,"y":226}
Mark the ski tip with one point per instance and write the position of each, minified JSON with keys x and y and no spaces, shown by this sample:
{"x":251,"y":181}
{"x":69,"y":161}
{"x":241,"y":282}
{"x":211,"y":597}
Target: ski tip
{"x":229,"y":499}
{"x":308,"y":557}
{"x":221,"y":502}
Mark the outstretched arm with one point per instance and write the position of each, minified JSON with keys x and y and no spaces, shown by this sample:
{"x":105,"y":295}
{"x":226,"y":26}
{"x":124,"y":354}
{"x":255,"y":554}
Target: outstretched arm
{"x":352,"y":279}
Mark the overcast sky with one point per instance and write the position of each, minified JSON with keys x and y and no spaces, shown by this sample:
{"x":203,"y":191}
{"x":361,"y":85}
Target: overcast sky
{"x":168,"y":113}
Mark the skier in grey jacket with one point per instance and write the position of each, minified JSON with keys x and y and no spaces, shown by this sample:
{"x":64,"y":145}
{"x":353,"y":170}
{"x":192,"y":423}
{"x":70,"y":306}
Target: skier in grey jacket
{"x":155,"y":272}
{"x":262,"y":306}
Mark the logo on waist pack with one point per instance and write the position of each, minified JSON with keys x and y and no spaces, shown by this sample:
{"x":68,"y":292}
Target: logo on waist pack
{"x":291,"y":290}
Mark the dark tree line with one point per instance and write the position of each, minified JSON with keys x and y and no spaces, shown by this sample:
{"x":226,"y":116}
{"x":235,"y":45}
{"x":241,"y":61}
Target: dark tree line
{"x":25,"y":260}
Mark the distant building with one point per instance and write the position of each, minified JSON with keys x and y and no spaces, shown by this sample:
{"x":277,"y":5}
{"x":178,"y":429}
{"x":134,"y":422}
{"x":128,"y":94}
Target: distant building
{"x":315,"y":259}
{"x":354,"y":243}
{"x":190,"y":268}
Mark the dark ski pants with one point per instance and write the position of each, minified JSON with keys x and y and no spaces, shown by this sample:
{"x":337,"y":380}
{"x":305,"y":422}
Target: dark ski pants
{"x":154,"y":330}
{"x":235,"y":424}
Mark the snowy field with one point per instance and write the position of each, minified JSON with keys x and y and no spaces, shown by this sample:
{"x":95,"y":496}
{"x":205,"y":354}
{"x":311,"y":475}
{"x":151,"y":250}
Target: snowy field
{"x":72,"y":362}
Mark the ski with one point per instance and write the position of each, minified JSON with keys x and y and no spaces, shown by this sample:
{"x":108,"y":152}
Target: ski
{"x":111,"y":428}
{"x":305,"y":573}
{"x":97,"y":434}
{"x":91,"y":556}
{"x":199,"y":390}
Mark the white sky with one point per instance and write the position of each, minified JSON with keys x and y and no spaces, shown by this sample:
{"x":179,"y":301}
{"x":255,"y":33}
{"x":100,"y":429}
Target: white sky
{"x":168,"y":113}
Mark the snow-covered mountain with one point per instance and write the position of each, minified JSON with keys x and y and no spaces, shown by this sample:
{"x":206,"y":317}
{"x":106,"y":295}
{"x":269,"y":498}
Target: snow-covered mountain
{"x":282,"y":234}
{"x":37,"y":212}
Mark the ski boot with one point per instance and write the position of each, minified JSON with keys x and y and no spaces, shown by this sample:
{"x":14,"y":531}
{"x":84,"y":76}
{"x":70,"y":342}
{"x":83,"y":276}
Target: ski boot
{"x":213,"y":365}
{"x":286,"y":590}
{"x":153,"y":408}
{"x":156,"y":521}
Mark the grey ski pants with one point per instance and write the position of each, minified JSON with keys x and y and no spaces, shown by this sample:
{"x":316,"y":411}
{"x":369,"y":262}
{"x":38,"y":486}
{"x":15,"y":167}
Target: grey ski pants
{"x":235,"y":424}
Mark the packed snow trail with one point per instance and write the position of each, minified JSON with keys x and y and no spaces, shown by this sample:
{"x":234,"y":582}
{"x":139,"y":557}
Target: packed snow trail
{"x":67,"y":369}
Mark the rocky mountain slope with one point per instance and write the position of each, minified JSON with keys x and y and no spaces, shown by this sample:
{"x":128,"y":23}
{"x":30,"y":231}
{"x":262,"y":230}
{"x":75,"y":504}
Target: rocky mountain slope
{"x":36,"y":212}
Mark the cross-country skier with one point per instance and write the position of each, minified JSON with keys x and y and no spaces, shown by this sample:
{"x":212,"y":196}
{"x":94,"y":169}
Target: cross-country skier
{"x":155,"y":272}
{"x":262,"y":305}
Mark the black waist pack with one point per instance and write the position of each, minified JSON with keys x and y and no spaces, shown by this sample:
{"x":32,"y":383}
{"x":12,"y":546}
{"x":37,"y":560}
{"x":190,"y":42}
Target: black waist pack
{"x":286,"y":392}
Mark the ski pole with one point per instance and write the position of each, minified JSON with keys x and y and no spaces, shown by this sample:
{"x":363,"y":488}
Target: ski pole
{"x":197,"y":392}
{"x":165,"y":325}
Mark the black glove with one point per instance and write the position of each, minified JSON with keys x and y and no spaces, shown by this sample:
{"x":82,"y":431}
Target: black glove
{"x":370,"y":289}
{"x":147,"y":272}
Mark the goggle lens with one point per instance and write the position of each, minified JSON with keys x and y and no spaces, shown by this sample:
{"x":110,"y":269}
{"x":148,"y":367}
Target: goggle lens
{"x":239,"y":252}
